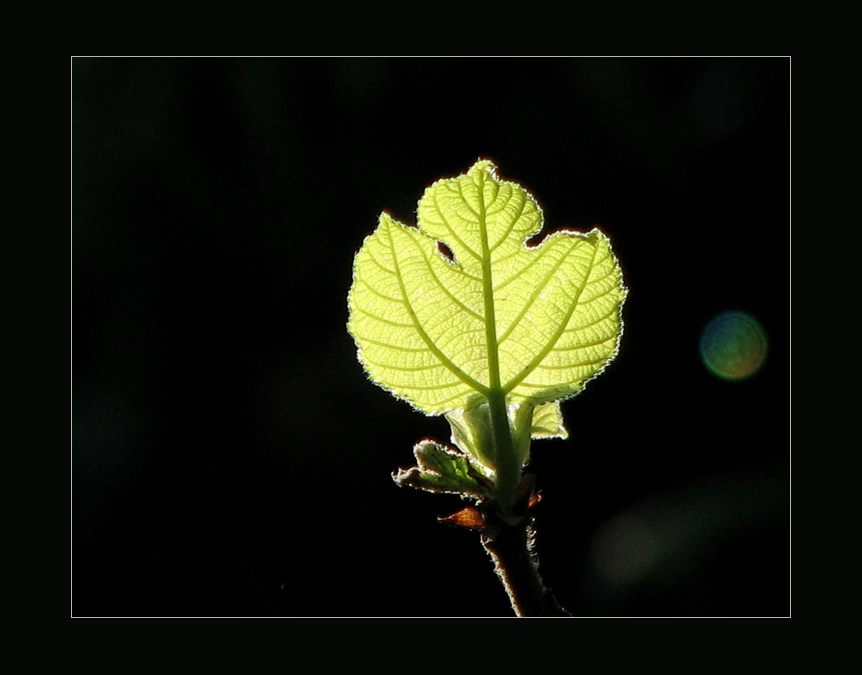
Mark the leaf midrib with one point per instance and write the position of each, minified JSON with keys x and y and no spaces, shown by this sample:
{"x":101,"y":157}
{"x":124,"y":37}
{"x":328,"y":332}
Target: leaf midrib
{"x":488,"y":293}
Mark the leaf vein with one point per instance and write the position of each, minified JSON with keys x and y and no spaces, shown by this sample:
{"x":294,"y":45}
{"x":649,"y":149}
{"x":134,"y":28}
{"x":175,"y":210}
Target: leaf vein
{"x":371,"y":288}
{"x":406,"y":369}
{"x":390,"y":322}
{"x":518,"y":378}
{"x":442,"y":286}
{"x":513,"y":220}
{"x":536,"y":293}
{"x":400,"y":348}
{"x":460,"y":374}
{"x":452,"y":232}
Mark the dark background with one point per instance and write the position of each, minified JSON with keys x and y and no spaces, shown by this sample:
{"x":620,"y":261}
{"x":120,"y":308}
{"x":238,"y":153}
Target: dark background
{"x":229,"y":456}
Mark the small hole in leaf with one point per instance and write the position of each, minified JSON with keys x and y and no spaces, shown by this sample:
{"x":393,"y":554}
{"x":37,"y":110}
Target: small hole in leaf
{"x":445,"y":251}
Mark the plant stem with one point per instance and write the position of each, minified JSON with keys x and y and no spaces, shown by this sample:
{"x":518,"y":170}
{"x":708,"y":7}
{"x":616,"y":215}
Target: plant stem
{"x":507,"y":466}
{"x":518,"y":570}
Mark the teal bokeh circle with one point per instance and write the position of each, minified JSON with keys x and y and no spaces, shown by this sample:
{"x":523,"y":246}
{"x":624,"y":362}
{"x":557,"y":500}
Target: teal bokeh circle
{"x":733,"y":345}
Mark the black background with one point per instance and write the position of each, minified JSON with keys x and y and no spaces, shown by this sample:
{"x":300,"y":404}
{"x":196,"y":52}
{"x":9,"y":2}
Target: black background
{"x":229,"y":456}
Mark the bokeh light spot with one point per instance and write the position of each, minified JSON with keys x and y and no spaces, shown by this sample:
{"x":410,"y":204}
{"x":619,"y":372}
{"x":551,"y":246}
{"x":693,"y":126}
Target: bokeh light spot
{"x":625,"y":550}
{"x":733,"y":345}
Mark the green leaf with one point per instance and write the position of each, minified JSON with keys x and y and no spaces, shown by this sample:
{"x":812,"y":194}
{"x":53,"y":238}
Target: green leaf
{"x":472,"y":430}
{"x":548,"y":422}
{"x":441,"y":469}
{"x":461,"y":307}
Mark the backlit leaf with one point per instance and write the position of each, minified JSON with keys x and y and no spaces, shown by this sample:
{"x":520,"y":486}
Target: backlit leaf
{"x":443,"y":326}
{"x":442,"y":469}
